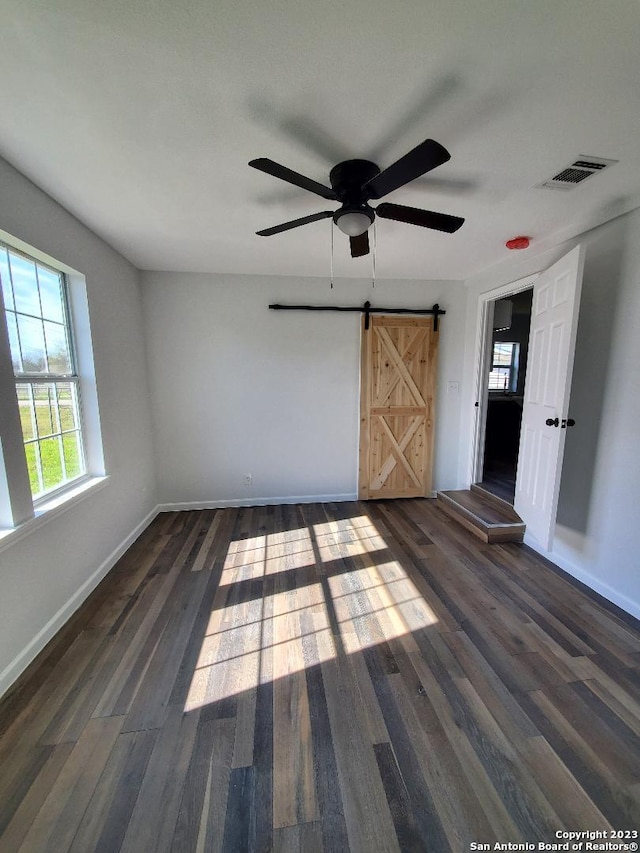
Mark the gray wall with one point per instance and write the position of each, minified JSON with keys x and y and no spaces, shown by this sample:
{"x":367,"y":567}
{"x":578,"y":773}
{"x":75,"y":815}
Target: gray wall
{"x":41,"y":574}
{"x":596,"y":533}
{"x":239,"y":389}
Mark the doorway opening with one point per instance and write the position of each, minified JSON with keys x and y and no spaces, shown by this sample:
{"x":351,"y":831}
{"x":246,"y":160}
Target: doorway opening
{"x":506,"y":368}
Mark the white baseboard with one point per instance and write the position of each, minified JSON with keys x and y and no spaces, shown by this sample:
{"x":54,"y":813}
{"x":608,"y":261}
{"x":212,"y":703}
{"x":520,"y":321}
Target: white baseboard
{"x":614,"y":596}
{"x":291,"y":499}
{"x":22,"y":660}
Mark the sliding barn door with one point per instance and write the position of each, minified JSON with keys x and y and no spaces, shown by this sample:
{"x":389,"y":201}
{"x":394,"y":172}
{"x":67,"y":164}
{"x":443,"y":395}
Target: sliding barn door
{"x":397,"y":398}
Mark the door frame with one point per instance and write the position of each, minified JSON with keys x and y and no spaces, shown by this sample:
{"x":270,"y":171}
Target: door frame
{"x":484,"y":335}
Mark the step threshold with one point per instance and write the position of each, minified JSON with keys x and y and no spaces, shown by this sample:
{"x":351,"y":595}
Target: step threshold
{"x":491,"y":520}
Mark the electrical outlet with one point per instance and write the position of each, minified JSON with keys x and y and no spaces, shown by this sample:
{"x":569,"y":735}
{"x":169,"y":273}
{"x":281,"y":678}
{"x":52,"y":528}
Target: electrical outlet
{"x":453,"y":387}
{"x":247,"y":479}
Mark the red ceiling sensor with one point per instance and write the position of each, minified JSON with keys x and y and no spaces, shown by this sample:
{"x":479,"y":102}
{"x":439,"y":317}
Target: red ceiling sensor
{"x":518,"y":243}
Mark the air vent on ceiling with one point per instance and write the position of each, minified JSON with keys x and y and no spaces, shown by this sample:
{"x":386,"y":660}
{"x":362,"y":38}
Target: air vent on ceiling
{"x":577,"y":172}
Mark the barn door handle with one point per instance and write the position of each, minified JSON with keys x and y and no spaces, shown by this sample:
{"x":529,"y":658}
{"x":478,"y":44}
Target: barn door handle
{"x":552,"y":422}
{"x":568,"y":422}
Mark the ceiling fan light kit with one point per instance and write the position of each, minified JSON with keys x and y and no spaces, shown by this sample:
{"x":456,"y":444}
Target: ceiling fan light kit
{"x":353,"y":222}
{"x":355,"y":182}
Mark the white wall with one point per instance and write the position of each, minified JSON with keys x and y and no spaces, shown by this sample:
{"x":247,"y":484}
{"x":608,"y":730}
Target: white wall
{"x":237,"y":388}
{"x":45,"y":575}
{"x":596,"y":534}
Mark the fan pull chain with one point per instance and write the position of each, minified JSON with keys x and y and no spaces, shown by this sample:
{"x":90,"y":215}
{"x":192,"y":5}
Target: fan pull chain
{"x":332,"y":253}
{"x":373,"y":257}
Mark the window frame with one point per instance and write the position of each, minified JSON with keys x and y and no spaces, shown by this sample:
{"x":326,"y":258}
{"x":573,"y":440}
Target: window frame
{"x":512,"y":367}
{"x":40,"y":499}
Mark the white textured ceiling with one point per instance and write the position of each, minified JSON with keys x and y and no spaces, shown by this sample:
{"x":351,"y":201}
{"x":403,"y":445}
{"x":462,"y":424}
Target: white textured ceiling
{"x":140,"y":118}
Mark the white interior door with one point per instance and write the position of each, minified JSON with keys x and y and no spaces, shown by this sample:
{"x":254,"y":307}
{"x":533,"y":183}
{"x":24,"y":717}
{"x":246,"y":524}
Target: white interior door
{"x":554,"y":318}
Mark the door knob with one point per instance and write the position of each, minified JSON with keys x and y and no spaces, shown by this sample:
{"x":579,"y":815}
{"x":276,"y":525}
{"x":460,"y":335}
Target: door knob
{"x":552,"y":422}
{"x":568,"y":422}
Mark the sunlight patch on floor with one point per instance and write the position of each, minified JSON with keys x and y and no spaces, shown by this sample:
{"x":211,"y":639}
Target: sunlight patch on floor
{"x":265,"y":551}
{"x":267,"y":625}
{"x":358,"y":536}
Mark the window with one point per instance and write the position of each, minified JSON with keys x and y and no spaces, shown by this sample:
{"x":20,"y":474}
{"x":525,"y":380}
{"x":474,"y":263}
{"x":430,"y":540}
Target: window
{"x":504,"y":367}
{"x":42,"y":353}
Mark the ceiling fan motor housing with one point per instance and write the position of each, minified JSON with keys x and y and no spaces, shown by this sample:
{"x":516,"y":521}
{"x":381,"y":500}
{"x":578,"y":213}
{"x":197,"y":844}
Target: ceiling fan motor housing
{"x":347,"y":180}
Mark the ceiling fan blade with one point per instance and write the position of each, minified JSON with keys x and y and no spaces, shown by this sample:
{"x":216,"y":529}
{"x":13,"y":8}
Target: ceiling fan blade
{"x":423,"y":158}
{"x":294,"y":223}
{"x":359,"y":245}
{"x":278,"y":171}
{"x":423,"y":218}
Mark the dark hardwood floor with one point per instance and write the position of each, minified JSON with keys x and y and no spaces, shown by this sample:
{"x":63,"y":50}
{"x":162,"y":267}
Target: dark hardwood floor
{"x":500,"y":480}
{"x":340,"y":677}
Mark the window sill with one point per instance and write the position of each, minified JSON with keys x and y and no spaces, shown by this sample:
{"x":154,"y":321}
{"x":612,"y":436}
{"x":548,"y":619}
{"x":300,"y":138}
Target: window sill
{"x":51,"y":509}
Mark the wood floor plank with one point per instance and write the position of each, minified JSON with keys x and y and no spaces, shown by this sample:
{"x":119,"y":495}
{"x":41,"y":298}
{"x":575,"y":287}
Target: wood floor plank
{"x":571,"y":803}
{"x":153,"y":614}
{"x":105,"y":821}
{"x":57,"y":821}
{"x":263,"y":734}
{"x":48,"y":694}
{"x":294,"y":795}
{"x":530,"y":810}
{"x":238,"y":829}
{"x":496,"y":811}
{"x":132,"y":573}
{"x":203,"y":555}
{"x":194,"y":526}
{"x":27,"y":765}
{"x":72,"y":717}
{"x":188,"y":824}
{"x":161,"y":787}
{"x":618,"y":750}
{"x":454,"y":797}
{"x":614,"y":699}
{"x":582,"y":758}
{"x":292,"y":748}
{"x":262,"y":818}
{"x":190,"y":674}
{"x":375,"y":724}
{"x":148,"y":709}
{"x":408,"y":833}
{"x":332,"y":677}
{"x":204,"y":535}
{"x":330,"y":808}
{"x":504,"y":708}
{"x":20,"y":811}
{"x":438,"y":816}
{"x":211,"y":836}
{"x":528,"y":597}
{"x":366,"y":809}
{"x":306,"y":836}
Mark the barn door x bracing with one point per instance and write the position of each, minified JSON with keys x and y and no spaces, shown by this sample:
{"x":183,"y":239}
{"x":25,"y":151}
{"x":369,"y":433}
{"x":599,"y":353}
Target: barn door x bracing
{"x":398,"y":377}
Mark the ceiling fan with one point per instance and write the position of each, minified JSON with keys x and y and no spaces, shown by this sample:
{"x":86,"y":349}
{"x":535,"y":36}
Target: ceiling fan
{"x":355,"y":182}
